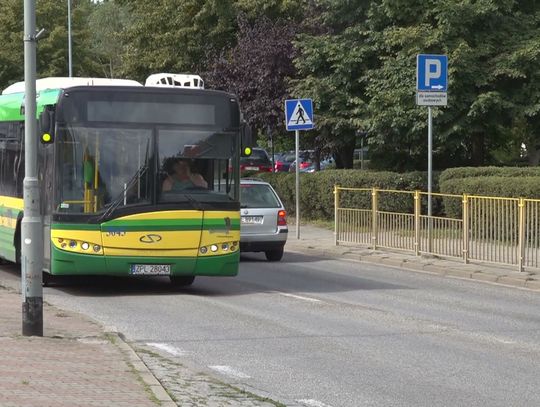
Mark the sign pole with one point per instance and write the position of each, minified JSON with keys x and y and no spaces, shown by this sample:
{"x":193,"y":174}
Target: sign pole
{"x":31,"y":243}
{"x":430,"y":175}
{"x":298,"y":116}
{"x":297,"y":170}
{"x":431,"y":90}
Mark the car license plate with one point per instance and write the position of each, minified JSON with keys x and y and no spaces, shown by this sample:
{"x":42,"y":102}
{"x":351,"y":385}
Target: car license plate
{"x":252,"y":168}
{"x":252,"y":220}
{"x":151,"y":269}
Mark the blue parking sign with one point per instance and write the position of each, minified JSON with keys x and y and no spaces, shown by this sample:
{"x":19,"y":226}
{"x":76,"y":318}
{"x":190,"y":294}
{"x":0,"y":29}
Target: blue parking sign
{"x":431,"y":73}
{"x":299,"y":114}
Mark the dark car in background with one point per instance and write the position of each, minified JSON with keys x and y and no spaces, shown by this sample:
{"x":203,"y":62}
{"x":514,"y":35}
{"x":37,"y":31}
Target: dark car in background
{"x":306,"y":160}
{"x":283,"y":161}
{"x":258,"y":161}
{"x":323,"y":165}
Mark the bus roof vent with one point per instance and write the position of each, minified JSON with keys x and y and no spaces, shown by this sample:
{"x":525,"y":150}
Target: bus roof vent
{"x":175,"y":80}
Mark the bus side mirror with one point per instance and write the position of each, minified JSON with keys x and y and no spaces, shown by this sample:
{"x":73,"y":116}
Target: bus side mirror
{"x":46,"y":125}
{"x":246,"y":140}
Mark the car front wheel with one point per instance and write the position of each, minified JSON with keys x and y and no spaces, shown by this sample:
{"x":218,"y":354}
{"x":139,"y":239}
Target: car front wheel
{"x":274,"y":255}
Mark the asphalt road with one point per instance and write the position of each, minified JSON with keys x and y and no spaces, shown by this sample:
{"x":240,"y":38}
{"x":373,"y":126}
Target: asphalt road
{"x":323,"y":332}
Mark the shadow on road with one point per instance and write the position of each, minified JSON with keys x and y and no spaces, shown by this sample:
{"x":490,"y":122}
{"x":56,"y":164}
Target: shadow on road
{"x":294,"y":274}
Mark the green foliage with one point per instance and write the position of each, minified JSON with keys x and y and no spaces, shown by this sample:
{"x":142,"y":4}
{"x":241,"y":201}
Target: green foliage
{"x":108,"y":22}
{"x":474,"y":172}
{"x":317,"y":190}
{"x":359,"y":66}
{"x":52,"y":49}
{"x":175,"y":35}
{"x":510,"y":182}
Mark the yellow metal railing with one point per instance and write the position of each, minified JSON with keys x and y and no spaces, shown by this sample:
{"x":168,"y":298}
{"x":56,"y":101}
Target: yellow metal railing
{"x":479,"y":228}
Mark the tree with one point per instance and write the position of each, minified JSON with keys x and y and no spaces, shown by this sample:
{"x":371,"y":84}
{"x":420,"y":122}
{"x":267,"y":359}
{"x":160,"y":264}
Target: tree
{"x":333,"y":54}
{"x":52,"y":50}
{"x":256,"y":70}
{"x":360,"y":69}
{"x":175,"y":35}
{"x":478,"y":119}
{"x":108,"y":21}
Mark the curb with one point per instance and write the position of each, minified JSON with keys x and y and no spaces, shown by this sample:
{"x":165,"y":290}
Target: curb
{"x":144,"y":373}
{"x":427,"y":268}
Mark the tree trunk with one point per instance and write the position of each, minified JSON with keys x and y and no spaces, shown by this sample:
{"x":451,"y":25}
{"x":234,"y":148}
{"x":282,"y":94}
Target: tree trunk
{"x":478,"y":150}
{"x":344,"y":154}
{"x":533,"y":156}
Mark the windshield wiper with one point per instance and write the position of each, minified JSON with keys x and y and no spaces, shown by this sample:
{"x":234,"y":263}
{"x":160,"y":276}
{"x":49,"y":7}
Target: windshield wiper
{"x":196,"y":204}
{"x":120,"y":197}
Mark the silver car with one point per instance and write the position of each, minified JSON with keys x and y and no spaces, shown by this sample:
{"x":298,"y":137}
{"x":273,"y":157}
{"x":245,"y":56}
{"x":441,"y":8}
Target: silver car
{"x":263,"y":226}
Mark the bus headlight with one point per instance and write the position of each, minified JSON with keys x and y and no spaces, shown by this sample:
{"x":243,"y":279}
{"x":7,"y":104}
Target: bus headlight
{"x":214,"y":248}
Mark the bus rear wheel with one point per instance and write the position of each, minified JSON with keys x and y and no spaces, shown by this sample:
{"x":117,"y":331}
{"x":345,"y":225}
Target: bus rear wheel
{"x":180,"y":281}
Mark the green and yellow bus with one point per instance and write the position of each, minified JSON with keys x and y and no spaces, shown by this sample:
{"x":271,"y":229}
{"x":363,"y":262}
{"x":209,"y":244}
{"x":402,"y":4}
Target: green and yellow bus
{"x":110,"y":199}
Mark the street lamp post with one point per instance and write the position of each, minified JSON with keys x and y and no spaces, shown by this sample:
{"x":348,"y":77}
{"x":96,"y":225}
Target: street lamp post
{"x":70,"y":64}
{"x":31,"y":242}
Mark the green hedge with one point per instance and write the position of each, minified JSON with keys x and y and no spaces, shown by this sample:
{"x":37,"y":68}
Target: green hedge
{"x":317,"y":190}
{"x":473,"y":172}
{"x":511,"y":182}
{"x":317,"y":198}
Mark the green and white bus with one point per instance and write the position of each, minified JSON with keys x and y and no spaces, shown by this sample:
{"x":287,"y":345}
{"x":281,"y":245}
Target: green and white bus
{"x":106,"y":154}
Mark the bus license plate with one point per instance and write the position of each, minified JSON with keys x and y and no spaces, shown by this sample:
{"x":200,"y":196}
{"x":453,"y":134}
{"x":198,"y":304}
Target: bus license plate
{"x":151,"y":269}
{"x":257,"y":220}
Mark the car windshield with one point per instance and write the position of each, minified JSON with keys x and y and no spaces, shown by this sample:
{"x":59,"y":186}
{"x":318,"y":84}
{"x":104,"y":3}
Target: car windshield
{"x":256,"y":155}
{"x":289,"y":158}
{"x":258,"y":196}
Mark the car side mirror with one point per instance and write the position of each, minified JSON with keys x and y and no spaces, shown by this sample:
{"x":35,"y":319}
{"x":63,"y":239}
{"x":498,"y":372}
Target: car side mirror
{"x":46,"y":125}
{"x":246,"y":140}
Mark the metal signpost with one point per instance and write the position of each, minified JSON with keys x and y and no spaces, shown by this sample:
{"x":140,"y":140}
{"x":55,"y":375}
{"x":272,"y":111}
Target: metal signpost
{"x":298,"y":116}
{"x":431,"y":90}
{"x":32,"y":228}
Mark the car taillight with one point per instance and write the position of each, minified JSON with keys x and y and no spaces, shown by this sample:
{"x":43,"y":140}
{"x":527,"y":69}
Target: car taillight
{"x":281,"y":219}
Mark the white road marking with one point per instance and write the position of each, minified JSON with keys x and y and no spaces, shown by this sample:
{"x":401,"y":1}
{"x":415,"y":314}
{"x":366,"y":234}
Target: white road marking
{"x":229,"y":371}
{"x":168,"y":348}
{"x":312,"y":403}
{"x":298,"y":297}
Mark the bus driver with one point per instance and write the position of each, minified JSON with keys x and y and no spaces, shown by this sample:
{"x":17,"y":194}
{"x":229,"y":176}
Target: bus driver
{"x":180,"y":176}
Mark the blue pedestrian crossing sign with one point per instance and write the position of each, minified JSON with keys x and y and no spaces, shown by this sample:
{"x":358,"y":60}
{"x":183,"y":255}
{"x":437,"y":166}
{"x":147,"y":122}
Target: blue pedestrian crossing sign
{"x":431,"y":73}
{"x":299,"y":114}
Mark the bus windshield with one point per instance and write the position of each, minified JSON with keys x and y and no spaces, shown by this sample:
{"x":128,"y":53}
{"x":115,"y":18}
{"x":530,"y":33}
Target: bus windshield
{"x":101,"y":168}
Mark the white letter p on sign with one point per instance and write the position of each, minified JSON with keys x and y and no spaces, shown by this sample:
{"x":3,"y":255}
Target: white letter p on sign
{"x":430,"y":73}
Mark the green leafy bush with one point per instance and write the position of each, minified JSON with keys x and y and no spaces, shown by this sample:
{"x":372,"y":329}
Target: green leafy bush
{"x":500,"y":186}
{"x":317,"y":190}
{"x":473,"y":172}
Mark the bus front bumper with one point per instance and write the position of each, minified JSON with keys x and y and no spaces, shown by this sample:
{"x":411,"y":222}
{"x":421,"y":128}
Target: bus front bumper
{"x":66,"y":263}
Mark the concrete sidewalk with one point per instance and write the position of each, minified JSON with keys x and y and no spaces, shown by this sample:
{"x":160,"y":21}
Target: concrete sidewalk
{"x":75,"y":363}
{"x":318,"y":241}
